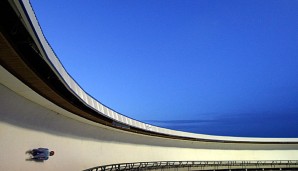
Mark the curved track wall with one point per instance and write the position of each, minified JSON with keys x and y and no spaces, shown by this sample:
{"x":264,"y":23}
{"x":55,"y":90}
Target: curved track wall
{"x":28,"y":120}
{"x":33,"y":49}
{"x":80,"y":144}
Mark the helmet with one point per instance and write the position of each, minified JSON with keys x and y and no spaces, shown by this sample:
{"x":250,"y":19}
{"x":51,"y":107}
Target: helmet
{"x":52,"y":153}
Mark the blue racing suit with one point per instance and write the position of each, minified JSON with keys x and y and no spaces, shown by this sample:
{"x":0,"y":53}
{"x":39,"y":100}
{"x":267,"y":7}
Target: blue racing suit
{"x":40,"y":154}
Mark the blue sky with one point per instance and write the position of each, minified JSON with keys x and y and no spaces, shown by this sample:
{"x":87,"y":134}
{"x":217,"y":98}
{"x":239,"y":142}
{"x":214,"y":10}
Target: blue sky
{"x":220,"y":67}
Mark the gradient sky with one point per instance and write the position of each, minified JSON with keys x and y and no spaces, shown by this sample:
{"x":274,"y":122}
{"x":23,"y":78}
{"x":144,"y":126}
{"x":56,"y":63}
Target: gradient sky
{"x":220,"y":67}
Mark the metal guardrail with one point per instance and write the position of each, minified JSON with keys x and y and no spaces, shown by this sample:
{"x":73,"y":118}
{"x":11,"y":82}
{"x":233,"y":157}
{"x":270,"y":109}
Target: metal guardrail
{"x":201,"y":165}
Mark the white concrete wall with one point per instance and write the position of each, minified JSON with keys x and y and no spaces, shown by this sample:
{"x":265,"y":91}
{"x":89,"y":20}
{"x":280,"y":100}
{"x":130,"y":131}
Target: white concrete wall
{"x":25,"y":11}
{"x":29,"y":20}
{"x":25,"y":125}
{"x":29,"y":121}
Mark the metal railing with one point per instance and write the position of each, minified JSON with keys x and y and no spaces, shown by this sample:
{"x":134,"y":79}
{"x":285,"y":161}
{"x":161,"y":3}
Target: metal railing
{"x":201,"y":165}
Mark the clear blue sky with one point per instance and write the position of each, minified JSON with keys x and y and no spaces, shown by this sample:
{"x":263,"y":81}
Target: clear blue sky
{"x":222,"y":67}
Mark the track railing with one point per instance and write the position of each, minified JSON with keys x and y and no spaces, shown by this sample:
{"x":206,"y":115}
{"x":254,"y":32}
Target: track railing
{"x":201,"y":165}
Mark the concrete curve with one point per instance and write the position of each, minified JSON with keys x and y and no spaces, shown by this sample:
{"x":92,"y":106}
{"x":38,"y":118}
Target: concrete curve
{"x":80,"y":144}
{"x":30,"y":119}
{"x":24,"y":9}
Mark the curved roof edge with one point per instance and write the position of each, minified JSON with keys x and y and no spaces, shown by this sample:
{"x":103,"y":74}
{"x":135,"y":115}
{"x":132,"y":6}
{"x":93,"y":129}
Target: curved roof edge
{"x":27,"y":16}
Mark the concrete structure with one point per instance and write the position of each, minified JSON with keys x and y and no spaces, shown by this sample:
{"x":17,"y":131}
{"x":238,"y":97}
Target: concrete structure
{"x":42,"y":106}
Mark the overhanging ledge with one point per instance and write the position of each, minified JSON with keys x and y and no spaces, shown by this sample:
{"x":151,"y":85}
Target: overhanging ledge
{"x":27,"y":55}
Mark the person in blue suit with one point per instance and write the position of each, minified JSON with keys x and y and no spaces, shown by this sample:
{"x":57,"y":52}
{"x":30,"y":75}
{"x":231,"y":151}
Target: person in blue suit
{"x":41,"y":154}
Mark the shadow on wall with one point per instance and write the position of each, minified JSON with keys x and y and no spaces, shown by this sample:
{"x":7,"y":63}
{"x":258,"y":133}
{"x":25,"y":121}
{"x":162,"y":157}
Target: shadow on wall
{"x":18,"y":111}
